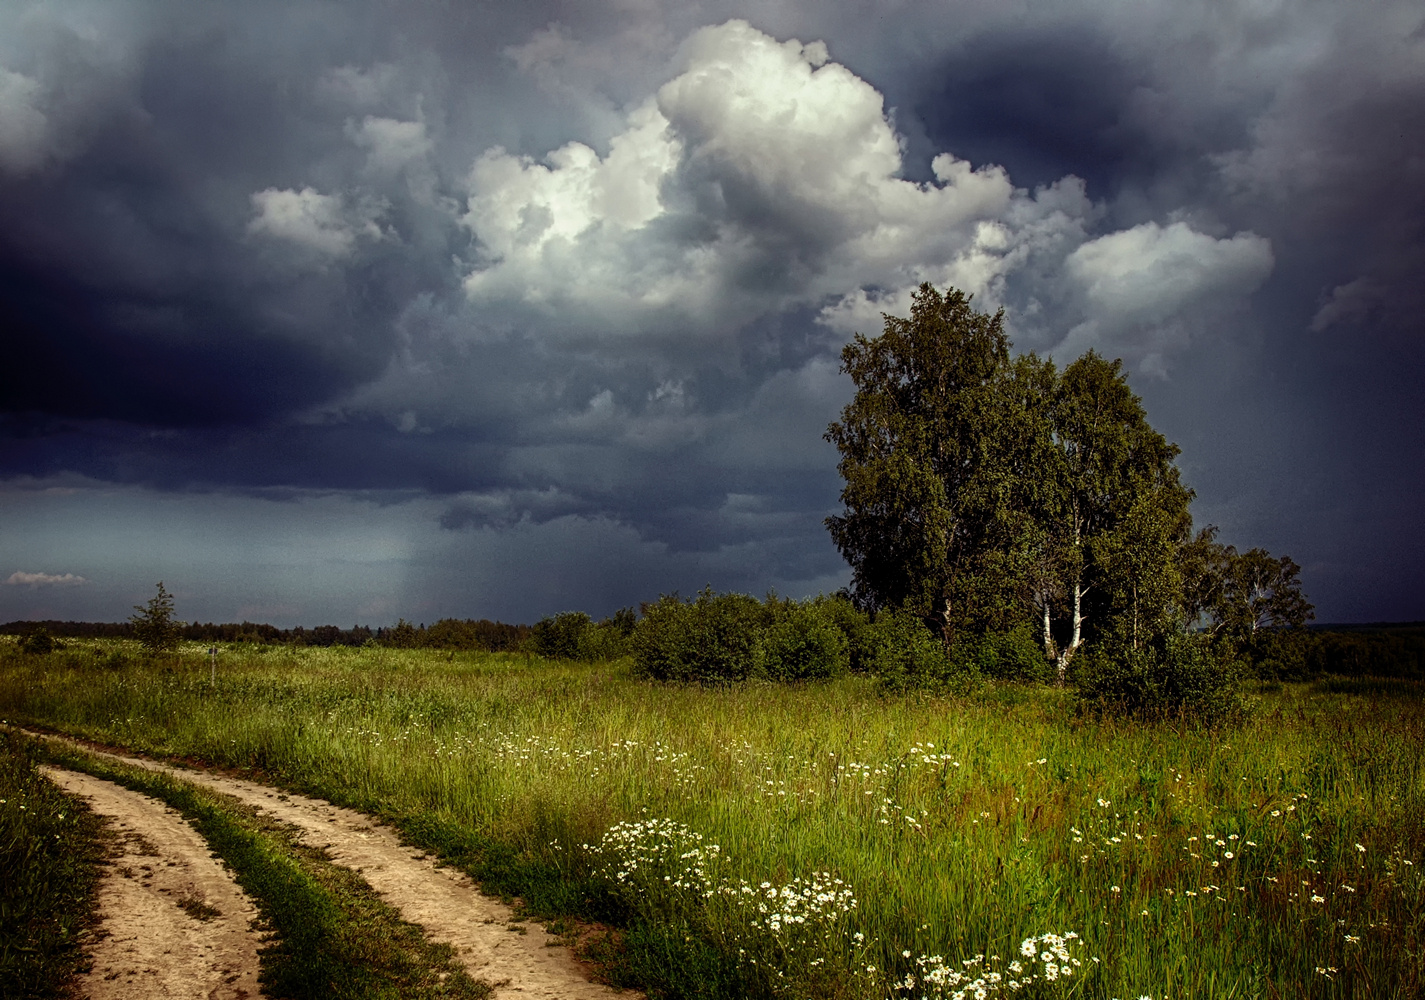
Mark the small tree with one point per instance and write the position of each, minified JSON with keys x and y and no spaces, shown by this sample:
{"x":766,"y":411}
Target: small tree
{"x":154,"y":624}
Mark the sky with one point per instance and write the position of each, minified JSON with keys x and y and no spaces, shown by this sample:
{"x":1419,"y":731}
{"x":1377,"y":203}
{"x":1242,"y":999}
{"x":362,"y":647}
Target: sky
{"x":345,"y":312}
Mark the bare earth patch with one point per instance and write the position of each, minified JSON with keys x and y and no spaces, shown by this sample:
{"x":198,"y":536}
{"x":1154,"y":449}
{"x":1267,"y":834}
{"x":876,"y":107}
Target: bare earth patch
{"x":529,"y":963}
{"x":173,"y":923}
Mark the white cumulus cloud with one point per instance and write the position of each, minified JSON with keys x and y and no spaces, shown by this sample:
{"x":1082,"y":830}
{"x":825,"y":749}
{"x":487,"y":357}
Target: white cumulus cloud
{"x":763,"y":176}
{"x":325,"y":223}
{"x":1144,"y":287}
{"x":20,"y":578}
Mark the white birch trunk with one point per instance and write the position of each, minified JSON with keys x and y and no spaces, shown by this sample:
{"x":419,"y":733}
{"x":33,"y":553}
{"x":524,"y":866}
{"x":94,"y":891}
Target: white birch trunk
{"x":1078,"y":621}
{"x":1048,"y":635}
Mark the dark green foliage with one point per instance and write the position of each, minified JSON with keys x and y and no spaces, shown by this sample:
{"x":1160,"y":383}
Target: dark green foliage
{"x":50,"y":856}
{"x":558,"y":637}
{"x":905,"y":654}
{"x":622,"y":622}
{"x":986,"y":494}
{"x":402,"y":635}
{"x":854,"y":625}
{"x":1238,"y":594}
{"x":154,"y":625}
{"x":603,"y":641}
{"x":1251,"y":602}
{"x":711,"y":639}
{"x":468,"y":634}
{"x":40,"y":642}
{"x":722,"y":638}
{"x":1184,"y":676}
{"x":1118,"y":514}
{"x":801,"y":642}
{"x":1380,"y":652}
{"x":448,"y":633}
{"x":1012,"y":655}
{"x":1277,"y":654}
{"x":573,"y":635}
{"x":920,"y":484}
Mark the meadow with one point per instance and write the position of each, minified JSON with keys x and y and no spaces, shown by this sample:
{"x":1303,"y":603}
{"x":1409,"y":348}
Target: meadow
{"x":827,"y":839}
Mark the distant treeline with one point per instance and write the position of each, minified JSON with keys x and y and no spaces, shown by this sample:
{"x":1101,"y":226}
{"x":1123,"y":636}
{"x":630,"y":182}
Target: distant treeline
{"x":1375,"y":650}
{"x":448,"y":633}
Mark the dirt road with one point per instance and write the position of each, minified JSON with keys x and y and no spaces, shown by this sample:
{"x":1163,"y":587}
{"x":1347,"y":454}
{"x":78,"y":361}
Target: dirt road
{"x":173,"y":922}
{"x":520,"y":960}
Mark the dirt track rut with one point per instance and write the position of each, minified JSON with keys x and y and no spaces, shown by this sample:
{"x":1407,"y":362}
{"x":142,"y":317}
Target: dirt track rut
{"x":173,"y":921}
{"x":519,"y":960}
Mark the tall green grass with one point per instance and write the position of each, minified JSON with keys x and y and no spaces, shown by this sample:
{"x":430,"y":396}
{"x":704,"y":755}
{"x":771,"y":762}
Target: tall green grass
{"x":1282,"y":858}
{"x":51,"y":850}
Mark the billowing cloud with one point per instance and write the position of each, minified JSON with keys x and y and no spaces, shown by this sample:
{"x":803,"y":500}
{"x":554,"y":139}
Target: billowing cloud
{"x":321,"y":222}
{"x":527,"y":271}
{"x":765,"y":177}
{"x":762,"y":177}
{"x":390,"y":144}
{"x":20,"y":578}
{"x":1144,"y":286}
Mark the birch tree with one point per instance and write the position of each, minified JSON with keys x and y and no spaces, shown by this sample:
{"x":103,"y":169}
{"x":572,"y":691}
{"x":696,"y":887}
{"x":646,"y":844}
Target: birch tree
{"x":980,"y":489}
{"x":1120,"y":510}
{"x":916,"y":454}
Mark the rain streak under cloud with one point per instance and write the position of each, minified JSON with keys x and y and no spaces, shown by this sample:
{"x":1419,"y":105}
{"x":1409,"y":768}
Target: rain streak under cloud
{"x":337,"y":313}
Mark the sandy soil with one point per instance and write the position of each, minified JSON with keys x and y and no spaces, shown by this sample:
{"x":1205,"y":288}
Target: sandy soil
{"x":173,"y":923}
{"x":520,"y":960}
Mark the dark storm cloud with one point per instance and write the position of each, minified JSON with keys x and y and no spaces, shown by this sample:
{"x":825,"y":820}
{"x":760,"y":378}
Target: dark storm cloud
{"x":1041,"y":105}
{"x":132,"y":287}
{"x":557,"y":264}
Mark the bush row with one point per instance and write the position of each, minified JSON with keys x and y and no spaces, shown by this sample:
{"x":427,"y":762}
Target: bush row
{"x":720,"y":638}
{"x":726,"y":638}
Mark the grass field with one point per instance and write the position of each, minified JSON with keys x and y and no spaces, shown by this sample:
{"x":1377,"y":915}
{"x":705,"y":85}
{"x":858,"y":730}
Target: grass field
{"x":51,"y":851}
{"x":859,"y":840}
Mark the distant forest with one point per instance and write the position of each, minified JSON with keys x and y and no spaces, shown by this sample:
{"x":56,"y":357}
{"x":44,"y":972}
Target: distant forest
{"x":448,"y":633}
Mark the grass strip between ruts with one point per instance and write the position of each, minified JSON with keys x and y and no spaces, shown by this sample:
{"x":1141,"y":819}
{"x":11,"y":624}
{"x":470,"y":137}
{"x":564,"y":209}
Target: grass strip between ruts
{"x":331,"y":935}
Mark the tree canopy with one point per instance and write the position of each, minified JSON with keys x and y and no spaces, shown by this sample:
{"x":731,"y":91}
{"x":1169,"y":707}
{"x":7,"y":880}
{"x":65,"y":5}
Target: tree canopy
{"x":983,"y":491}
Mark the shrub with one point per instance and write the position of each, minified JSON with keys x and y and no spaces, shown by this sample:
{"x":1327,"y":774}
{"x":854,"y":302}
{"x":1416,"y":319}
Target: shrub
{"x":905,"y":654}
{"x":402,"y":635}
{"x":712,"y":639}
{"x":558,"y":637}
{"x":1278,"y":654}
{"x":573,"y":635}
{"x":40,"y":642}
{"x":802,"y":642}
{"x":1013,"y":655}
{"x":854,"y":626}
{"x":1182,"y":676}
